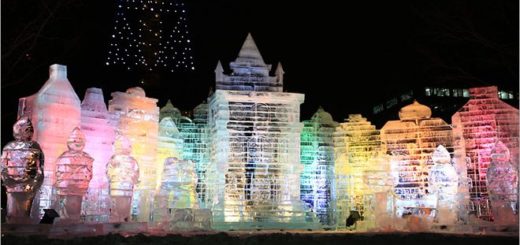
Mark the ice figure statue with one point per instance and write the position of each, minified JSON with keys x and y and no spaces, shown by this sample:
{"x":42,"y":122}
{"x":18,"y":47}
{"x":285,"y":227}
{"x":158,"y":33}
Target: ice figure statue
{"x":99,"y":135}
{"x":362,"y":176}
{"x":22,"y":172}
{"x":170,"y":144}
{"x":137,"y":118}
{"x":502,"y":183}
{"x":177,"y":206}
{"x":123,"y":175}
{"x":73,"y":174}
{"x":443,"y":183}
{"x":317,"y":157}
{"x":253,"y":179}
{"x":481,"y":122}
{"x":55,"y":111}
{"x":411,"y":141}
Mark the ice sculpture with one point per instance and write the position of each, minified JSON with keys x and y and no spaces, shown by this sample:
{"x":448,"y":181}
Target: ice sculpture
{"x":254,"y":175}
{"x":170,"y":144}
{"x":137,"y":117}
{"x":123,"y":175}
{"x":317,"y":157}
{"x":481,"y":122}
{"x":22,"y":172}
{"x":99,"y":135}
{"x":443,"y":183}
{"x":502,"y":183}
{"x":411,"y":141}
{"x":55,"y":111}
{"x":73,"y":174}
{"x":200,"y":155}
{"x":362,"y":174}
{"x":177,"y":206}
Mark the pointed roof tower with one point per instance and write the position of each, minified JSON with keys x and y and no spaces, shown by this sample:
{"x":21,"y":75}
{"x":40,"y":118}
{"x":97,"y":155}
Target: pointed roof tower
{"x":249,"y":52}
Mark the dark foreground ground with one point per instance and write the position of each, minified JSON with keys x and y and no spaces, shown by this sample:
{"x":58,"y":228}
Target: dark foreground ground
{"x":276,"y":238}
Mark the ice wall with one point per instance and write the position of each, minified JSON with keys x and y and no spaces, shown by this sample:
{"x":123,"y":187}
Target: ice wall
{"x":477,"y":126}
{"x":137,"y":118}
{"x":362,"y":175}
{"x":317,"y":157}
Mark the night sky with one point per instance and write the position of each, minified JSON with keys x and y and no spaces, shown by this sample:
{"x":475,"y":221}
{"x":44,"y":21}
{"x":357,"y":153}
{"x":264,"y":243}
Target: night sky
{"x":341,"y":55}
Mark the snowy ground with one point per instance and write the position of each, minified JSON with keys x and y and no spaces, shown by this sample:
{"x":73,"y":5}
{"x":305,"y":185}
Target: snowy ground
{"x":279,"y":237}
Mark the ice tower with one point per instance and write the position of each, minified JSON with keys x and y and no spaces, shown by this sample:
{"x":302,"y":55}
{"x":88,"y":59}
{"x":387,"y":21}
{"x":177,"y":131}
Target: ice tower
{"x":99,"y":135}
{"x":477,"y":126}
{"x":362,"y":175}
{"x":317,"y":157}
{"x":137,"y":117}
{"x":54,"y":111}
{"x":411,"y":141}
{"x":254,"y":175}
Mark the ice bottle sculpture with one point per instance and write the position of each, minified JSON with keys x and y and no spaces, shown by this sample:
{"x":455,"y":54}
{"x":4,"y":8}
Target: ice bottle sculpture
{"x":55,"y":111}
{"x":411,"y":141}
{"x":137,"y":118}
{"x":254,"y":175}
{"x":123,"y":175}
{"x":362,"y":175}
{"x":99,"y":135}
{"x":443,"y":183}
{"x":317,"y":157}
{"x":22,"y":172}
{"x":502,"y":183}
{"x":481,"y":122}
{"x":73,"y":174}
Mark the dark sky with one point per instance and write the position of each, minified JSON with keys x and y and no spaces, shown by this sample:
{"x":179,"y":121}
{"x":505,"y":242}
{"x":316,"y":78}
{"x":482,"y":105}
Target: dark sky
{"x":341,"y":55}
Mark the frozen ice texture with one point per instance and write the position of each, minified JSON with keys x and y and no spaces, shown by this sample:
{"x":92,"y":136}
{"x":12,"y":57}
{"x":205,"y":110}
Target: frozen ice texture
{"x":99,"y":135}
{"x":137,"y":117}
{"x":317,"y":157}
{"x":22,"y":166}
{"x":443,"y":183}
{"x":362,"y":173}
{"x":502,"y":183}
{"x":411,"y":141}
{"x":123,"y":175}
{"x":253,"y":179}
{"x":73,"y":174}
{"x":477,"y":126}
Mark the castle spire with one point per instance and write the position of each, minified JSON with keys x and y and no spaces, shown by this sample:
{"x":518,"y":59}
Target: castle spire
{"x":249,"y":51}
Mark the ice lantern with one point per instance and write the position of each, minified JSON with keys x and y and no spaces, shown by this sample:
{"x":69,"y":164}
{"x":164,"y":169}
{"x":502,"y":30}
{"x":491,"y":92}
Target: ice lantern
{"x":55,"y":111}
{"x":123,"y":174}
{"x":411,"y":141}
{"x":22,"y":172}
{"x":73,"y":175}
{"x":502,"y":183}
{"x":481,"y":122}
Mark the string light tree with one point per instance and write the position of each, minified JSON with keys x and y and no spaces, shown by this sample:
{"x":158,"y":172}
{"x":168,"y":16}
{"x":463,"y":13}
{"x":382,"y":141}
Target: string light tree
{"x":150,"y":37}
